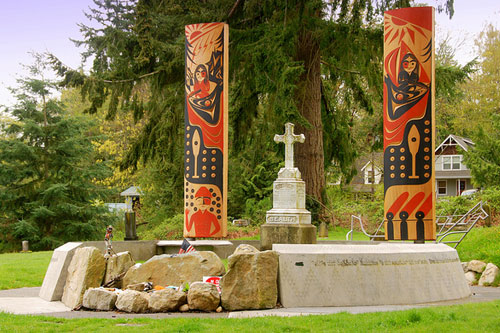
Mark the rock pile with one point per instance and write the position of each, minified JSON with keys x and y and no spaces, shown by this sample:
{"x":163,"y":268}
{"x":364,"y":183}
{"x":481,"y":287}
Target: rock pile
{"x":168,"y":283}
{"x":480,"y":273}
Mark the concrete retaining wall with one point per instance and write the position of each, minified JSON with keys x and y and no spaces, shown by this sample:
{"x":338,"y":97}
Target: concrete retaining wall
{"x":360,"y":275}
{"x":140,"y":250}
{"x":144,"y":250}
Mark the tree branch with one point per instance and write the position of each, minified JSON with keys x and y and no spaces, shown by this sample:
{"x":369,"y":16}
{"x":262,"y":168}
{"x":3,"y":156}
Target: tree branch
{"x":340,"y":69}
{"x":231,"y":12}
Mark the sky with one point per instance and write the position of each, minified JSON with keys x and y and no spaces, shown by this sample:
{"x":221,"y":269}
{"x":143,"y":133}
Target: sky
{"x":48,"y":25}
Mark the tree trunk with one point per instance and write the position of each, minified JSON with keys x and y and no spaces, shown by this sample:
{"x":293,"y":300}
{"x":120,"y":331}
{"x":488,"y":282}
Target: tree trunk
{"x":309,"y":155}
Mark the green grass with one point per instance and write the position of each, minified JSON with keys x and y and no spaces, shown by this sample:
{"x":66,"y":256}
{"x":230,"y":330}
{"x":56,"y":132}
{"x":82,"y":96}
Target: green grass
{"x":19,"y":270}
{"x":482,"y":243}
{"x":339,"y":233}
{"x":477,"y":317}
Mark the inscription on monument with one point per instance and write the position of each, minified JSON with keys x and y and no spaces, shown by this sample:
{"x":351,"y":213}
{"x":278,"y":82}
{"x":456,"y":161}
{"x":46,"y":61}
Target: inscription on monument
{"x":282,"y":219}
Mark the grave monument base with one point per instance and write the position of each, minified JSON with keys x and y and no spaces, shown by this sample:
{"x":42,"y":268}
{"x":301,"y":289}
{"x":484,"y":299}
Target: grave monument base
{"x":278,"y":233}
{"x":362,"y":275}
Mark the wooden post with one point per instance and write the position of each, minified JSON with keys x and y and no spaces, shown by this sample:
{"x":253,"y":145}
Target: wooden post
{"x":409,"y":205}
{"x":206,"y":130}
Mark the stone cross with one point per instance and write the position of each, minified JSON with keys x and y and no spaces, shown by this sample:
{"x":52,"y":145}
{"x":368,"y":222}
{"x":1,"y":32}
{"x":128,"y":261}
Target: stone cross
{"x":289,"y":139}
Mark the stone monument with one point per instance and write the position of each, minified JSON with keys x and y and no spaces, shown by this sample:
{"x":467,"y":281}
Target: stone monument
{"x":288,"y":222}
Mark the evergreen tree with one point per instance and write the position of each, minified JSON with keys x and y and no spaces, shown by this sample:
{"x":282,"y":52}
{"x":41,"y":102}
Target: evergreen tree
{"x":47,"y":190}
{"x":312,"y":62}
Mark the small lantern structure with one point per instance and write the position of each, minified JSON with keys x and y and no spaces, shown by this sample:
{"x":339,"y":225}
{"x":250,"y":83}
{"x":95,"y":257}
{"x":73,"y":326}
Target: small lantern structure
{"x":132,"y":200}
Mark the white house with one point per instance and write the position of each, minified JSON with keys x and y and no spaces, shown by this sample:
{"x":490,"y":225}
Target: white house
{"x":452,"y":176}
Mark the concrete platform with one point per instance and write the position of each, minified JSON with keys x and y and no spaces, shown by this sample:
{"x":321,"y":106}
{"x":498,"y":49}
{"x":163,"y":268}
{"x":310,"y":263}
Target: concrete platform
{"x":24,"y":301}
{"x":368,"y":275}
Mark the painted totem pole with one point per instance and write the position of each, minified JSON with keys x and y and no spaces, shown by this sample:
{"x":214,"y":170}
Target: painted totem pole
{"x":409,"y":205}
{"x":205,"y":125}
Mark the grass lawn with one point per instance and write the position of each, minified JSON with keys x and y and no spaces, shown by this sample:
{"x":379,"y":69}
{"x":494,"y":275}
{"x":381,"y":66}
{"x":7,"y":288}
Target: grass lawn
{"x":19,"y":270}
{"x":478,"y":317}
{"x":339,"y":233}
{"x":482,"y":243}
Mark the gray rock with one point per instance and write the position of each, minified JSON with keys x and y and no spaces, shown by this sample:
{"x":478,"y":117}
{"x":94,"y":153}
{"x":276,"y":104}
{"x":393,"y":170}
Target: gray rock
{"x":184,"y":308}
{"x":203,"y":296}
{"x":464,"y":266}
{"x":251,"y":281}
{"x":132,"y":301}
{"x":99,"y":299}
{"x":476,"y":266}
{"x":470,"y":277}
{"x":489,"y":275}
{"x":116,"y":267}
{"x":245,"y":248}
{"x":174,"y":270}
{"x":85,"y":271}
{"x":166,"y":300}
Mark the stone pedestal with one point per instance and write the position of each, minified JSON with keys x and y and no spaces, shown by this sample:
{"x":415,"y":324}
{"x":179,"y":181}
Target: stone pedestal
{"x":289,"y":222}
{"x":277,"y":233}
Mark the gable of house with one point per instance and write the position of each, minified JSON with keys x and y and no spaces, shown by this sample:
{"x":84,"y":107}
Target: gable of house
{"x":452,"y":175}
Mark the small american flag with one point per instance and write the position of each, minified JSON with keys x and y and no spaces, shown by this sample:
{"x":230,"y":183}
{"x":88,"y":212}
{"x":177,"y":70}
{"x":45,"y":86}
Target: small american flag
{"x":186,"y":247}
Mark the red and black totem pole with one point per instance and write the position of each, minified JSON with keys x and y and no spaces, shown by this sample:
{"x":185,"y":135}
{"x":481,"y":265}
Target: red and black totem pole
{"x":409,"y":205}
{"x":205,"y":125}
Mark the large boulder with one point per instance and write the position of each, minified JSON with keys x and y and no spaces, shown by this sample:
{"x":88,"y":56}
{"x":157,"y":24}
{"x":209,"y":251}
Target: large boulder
{"x":99,"y":299}
{"x":132,"y":301}
{"x":85,"y":271}
{"x":251,"y":281}
{"x":489,"y":275}
{"x":116,"y":267}
{"x":167,"y":300}
{"x":175,"y":270}
{"x":476,"y":266}
{"x":203,"y":296}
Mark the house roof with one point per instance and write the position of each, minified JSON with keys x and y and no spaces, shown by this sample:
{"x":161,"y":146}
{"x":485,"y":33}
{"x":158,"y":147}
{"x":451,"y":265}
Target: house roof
{"x":453,"y":140}
{"x":452,"y":174}
{"x":132,"y":191}
{"x":377,"y":166}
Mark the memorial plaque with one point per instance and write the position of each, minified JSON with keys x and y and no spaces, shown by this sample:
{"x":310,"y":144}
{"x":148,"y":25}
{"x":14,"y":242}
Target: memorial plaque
{"x":206,"y":123}
{"x":409,"y":205}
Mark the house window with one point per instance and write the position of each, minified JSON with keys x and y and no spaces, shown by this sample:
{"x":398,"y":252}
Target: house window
{"x":442,"y":187}
{"x":372,"y":176}
{"x":452,"y":162}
